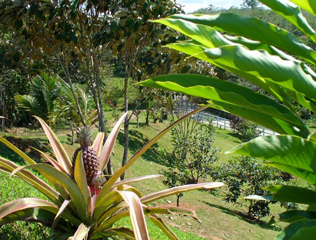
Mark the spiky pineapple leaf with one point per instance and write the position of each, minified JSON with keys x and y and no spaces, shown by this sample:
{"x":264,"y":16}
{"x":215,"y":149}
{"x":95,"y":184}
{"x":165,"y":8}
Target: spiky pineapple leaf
{"x":125,"y":233}
{"x":59,"y":151}
{"x":136,"y":179}
{"x":70,"y":186}
{"x":26,"y":203}
{"x":30,"y":178}
{"x":136,"y":215}
{"x":163,"y":226}
{"x":97,"y":144}
{"x":82,"y":232}
{"x":80,"y":178}
{"x":109,"y":144}
{"x":172,"y":191}
{"x":109,"y":184}
{"x":60,"y":211}
{"x":26,"y":158}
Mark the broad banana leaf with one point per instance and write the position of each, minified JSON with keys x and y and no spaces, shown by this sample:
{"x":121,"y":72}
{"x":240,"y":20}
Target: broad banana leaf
{"x":251,"y":28}
{"x":301,"y":229}
{"x":235,"y":99}
{"x":285,"y":153}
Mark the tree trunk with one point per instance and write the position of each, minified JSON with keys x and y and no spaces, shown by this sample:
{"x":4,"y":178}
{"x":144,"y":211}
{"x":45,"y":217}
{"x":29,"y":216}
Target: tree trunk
{"x":126,"y":138}
{"x":178,"y":200}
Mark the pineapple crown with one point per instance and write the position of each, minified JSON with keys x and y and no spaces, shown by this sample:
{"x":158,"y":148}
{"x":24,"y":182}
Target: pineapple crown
{"x":84,"y":137}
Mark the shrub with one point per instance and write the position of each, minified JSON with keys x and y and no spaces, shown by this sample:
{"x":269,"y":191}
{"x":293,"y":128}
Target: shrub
{"x":246,"y":176}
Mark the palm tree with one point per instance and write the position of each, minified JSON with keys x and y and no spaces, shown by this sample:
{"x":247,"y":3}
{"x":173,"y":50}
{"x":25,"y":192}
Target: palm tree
{"x":41,"y":99}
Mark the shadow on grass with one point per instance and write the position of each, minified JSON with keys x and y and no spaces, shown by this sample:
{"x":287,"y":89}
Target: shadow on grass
{"x":136,"y":141}
{"x":235,"y":135}
{"x":243,"y":216}
{"x":25,"y":145}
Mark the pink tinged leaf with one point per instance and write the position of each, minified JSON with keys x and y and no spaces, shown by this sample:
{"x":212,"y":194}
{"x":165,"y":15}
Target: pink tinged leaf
{"x":82,"y":232}
{"x":51,"y":161}
{"x":31,"y":179}
{"x":60,"y":211}
{"x":136,"y":179}
{"x":109,"y":144}
{"x":175,"y":190}
{"x":25,"y":203}
{"x":94,"y":192}
{"x":130,"y":189}
{"x":97,"y":144}
{"x":136,"y":215}
{"x":17,"y":151}
{"x":68,"y":184}
{"x":109,"y":184}
{"x":31,"y":214}
{"x":58,"y":148}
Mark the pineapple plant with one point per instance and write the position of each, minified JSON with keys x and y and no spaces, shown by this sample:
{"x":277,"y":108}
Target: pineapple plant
{"x":89,"y":156}
{"x":77,"y":210}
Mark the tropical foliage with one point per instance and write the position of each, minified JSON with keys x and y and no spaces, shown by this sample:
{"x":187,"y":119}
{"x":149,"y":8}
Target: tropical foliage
{"x":191,"y":158}
{"x":81,"y":211}
{"x":40,"y":101}
{"x":246,"y":176}
{"x":279,"y":63}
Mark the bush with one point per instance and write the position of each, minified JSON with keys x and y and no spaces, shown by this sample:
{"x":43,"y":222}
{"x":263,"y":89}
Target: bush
{"x":246,"y":129}
{"x":191,"y":158}
{"x":246,"y":176}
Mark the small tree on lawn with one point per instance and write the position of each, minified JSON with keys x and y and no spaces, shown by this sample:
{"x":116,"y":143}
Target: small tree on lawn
{"x":191,"y":158}
{"x":246,"y":176}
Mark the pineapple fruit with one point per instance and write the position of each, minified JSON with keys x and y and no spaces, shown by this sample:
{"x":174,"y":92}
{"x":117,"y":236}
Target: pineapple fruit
{"x":89,"y":156}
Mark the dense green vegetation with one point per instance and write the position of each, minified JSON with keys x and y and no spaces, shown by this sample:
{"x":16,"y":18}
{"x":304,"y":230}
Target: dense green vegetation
{"x":75,"y":63}
{"x":263,"y":58}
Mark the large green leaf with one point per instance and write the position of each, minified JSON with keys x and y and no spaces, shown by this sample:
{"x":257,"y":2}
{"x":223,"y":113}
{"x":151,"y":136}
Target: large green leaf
{"x":254,"y":65}
{"x":251,"y":28}
{"x":294,"y":194}
{"x":236,"y":99}
{"x":294,"y":215}
{"x":29,"y":103}
{"x":302,"y":229}
{"x":285,"y":153}
{"x":293,"y":14}
{"x":307,"y":5}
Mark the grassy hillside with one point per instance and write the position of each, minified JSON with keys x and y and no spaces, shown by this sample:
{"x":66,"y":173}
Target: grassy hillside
{"x":219,"y":220}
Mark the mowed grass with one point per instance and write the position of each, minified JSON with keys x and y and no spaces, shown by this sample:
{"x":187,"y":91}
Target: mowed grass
{"x":218,"y":220}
